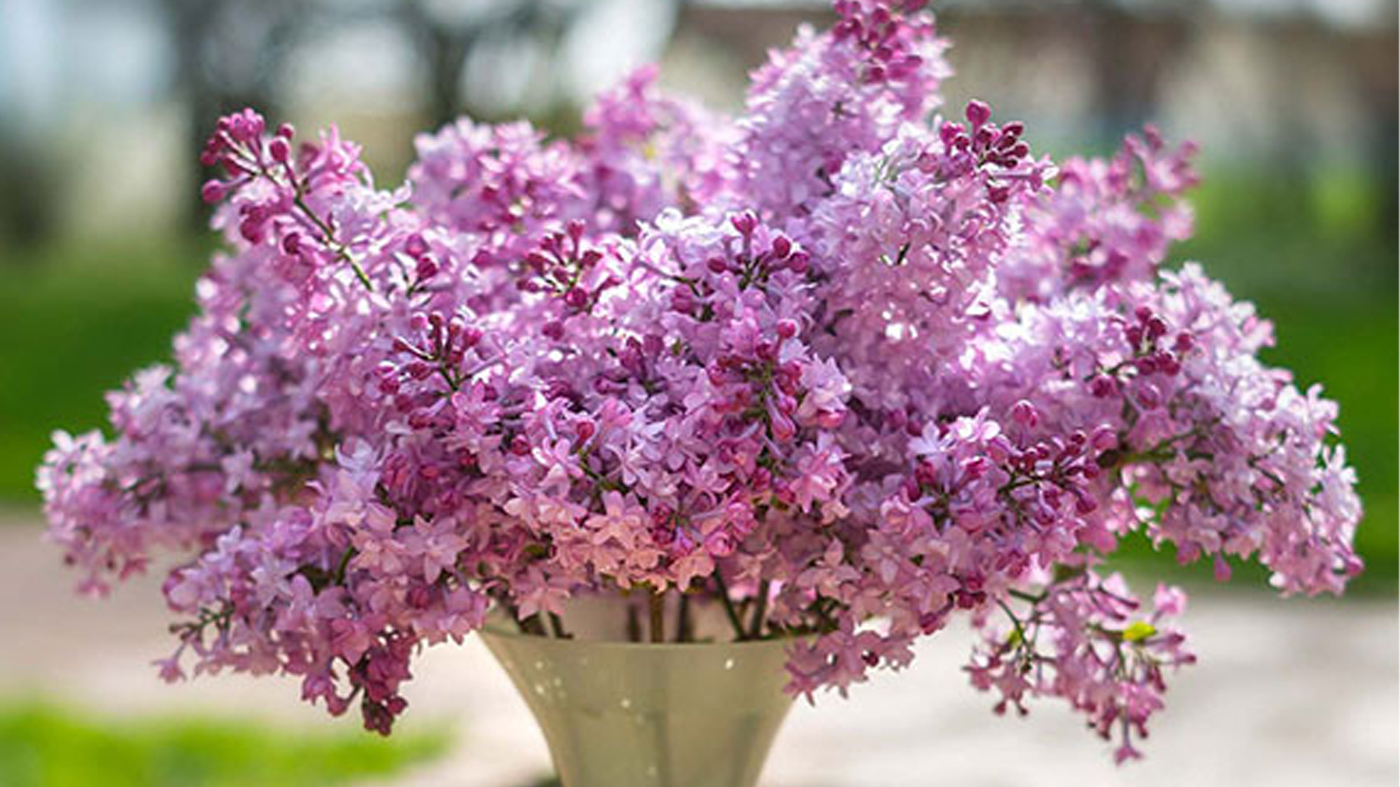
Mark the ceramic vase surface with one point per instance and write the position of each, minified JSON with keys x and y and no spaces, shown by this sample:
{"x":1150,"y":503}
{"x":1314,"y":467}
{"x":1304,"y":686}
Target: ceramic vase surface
{"x":624,"y":714}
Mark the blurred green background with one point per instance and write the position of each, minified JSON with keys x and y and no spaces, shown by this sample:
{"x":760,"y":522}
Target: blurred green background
{"x":103,"y":104}
{"x":44,"y":744}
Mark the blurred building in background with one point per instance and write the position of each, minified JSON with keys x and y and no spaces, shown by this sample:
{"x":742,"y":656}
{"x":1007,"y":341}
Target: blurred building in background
{"x":103,"y":103}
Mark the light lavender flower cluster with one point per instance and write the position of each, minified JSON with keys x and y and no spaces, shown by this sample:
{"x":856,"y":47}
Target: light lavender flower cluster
{"x":840,"y":366}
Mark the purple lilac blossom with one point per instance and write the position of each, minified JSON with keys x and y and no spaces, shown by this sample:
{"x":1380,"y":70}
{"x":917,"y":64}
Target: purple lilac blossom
{"x":846,"y":367}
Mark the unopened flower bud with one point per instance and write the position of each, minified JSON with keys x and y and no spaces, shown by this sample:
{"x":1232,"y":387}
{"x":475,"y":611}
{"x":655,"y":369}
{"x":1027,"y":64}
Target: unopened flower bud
{"x":279,"y":150}
{"x":213,"y":191}
{"x":782,"y":247}
{"x":1025,"y":414}
{"x":1103,"y":386}
{"x":744,"y":222}
{"x":978,"y":112}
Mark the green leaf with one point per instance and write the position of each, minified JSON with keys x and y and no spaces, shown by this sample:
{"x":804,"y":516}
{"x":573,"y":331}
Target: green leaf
{"x":1139,"y":631}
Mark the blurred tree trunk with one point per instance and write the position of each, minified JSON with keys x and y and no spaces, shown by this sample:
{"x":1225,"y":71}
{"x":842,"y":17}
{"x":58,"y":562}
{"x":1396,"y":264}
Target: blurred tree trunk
{"x":447,"y":34}
{"x":1378,"y":69}
{"x":228,"y":55}
{"x":444,"y":48}
{"x":1131,"y":52}
{"x":29,"y":206}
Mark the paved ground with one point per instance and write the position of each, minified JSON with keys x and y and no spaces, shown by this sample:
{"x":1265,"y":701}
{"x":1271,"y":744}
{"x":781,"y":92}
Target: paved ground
{"x":1287,"y":694}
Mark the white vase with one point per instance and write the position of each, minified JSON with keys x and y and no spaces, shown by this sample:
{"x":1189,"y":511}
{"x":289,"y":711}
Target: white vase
{"x":622,"y":714}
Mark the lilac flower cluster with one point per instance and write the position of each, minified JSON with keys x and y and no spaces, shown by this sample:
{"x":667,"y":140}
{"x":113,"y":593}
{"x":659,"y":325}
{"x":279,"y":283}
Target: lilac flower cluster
{"x":839,"y":370}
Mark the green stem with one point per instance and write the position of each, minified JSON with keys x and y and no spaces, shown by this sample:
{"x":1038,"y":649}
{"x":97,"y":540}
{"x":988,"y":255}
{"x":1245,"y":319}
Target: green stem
{"x":657,"y":604}
{"x":328,"y":237}
{"x":1031,"y":598}
{"x":734,"y":621}
{"x":760,"y":611}
{"x":1015,"y":621}
{"x":634,"y":623}
{"x":683,"y":632}
{"x":556,"y":627}
{"x":344,"y":564}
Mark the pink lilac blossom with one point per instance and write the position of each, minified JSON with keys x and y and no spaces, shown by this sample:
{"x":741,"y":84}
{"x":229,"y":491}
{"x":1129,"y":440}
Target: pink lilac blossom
{"x":840,"y":367}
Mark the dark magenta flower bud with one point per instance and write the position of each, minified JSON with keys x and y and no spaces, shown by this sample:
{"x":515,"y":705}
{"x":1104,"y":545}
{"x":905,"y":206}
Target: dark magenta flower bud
{"x":279,"y":150}
{"x":1025,"y":414}
{"x":978,"y":112}
{"x":585,"y":429}
{"x":782,"y":247}
{"x":1156,"y":327}
{"x":213,"y":191}
{"x":576,"y":297}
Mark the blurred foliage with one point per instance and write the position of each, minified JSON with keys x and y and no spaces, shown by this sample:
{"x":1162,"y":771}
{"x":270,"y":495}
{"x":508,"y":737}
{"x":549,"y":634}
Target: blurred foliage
{"x":44,"y":746}
{"x":77,"y":322}
{"x":1316,"y":254}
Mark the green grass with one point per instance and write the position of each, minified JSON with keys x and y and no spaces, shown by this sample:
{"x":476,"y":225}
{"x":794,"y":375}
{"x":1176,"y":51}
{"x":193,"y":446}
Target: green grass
{"x":77,"y":322}
{"x":1315,"y":256}
{"x":45,"y":746}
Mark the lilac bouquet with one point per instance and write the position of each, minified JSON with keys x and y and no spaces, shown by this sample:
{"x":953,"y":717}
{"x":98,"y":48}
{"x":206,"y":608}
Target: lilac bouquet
{"x":842,"y":367}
